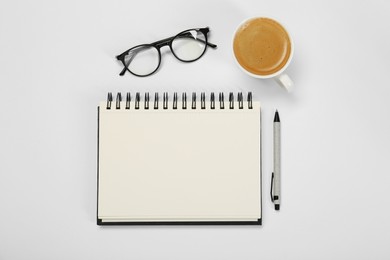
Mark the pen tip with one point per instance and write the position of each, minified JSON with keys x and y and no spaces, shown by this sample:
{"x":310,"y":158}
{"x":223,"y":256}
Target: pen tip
{"x":276,"y":118}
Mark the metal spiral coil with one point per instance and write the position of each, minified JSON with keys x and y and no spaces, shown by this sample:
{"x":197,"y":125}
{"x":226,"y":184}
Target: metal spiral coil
{"x":165,"y":103}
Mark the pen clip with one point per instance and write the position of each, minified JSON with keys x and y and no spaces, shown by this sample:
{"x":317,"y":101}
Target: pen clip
{"x":272,"y":187}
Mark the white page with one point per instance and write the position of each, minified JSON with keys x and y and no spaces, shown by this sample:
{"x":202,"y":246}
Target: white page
{"x":179,"y":165}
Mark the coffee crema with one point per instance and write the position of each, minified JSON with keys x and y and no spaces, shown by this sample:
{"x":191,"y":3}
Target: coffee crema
{"x":262,"y":46}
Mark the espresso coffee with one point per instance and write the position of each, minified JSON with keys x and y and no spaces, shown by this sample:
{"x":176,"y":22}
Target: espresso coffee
{"x":262,"y":46}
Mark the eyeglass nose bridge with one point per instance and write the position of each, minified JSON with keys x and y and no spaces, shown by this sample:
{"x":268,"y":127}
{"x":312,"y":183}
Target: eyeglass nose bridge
{"x":162,"y":43}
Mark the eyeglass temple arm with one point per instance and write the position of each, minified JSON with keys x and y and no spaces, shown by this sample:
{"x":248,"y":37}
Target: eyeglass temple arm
{"x":212,"y":45}
{"x":168,"y":40}
{"x":123,"y":71}
{"x":120,"y":57}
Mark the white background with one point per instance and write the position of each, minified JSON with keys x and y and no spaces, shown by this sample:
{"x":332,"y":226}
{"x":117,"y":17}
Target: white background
{"x":57,"y":62}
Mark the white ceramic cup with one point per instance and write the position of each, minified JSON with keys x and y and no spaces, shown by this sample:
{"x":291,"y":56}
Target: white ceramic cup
{"x":279,"y":76}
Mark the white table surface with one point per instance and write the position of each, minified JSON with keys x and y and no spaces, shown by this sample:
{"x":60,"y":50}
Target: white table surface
{"x":57,"y":62}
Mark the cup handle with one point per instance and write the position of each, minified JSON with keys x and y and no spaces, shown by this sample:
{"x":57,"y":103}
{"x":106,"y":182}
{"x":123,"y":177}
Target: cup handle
{"x":284,"y":81}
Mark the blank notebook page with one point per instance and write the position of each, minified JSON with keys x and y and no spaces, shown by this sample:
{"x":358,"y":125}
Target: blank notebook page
{"x":179,"y":165}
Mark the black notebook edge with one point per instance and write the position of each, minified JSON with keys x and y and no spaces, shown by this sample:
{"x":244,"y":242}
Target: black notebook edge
{"x":97,"y":168}
{"x":100,"y":222}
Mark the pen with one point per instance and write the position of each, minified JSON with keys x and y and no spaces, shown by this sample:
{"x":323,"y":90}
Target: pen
{"x":275,"y":179}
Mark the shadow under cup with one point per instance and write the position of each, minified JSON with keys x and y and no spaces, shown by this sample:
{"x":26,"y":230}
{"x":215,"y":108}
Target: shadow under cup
{"x":262,"y":46}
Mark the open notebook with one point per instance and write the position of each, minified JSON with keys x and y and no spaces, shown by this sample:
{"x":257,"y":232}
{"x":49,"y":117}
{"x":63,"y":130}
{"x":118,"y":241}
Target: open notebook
{"x":166,"y":160}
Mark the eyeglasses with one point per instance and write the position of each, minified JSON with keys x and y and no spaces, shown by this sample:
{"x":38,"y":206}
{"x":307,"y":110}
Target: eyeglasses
{"x":145,"y":59}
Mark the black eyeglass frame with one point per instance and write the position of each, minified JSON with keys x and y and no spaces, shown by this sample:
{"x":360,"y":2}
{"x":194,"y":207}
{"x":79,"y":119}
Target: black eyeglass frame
{"x":161,"y":43}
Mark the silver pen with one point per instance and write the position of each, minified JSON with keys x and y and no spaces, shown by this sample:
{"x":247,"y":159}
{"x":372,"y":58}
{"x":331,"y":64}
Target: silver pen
{"x":275,"y":179}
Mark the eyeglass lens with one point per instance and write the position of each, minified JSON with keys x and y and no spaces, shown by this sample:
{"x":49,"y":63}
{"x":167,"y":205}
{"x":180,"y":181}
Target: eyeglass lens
{"x":143,"y":60}
{"x":189,"y":45}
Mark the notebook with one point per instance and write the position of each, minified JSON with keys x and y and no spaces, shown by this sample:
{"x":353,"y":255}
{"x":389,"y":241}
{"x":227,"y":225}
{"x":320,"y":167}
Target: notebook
{"x":165,"y":160}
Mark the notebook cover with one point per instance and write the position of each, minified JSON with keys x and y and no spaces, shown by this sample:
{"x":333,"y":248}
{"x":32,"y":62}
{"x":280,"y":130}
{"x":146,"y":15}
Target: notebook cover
{"x":100,"y":222}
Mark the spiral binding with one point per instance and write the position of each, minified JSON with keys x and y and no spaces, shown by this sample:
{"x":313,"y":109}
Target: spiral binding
{"x":165,"y":100}
{"x":184,"y":100}
{"x":118,"y":101}
{"x":128,"y":99}
{"x":231,"y":101}
{"x":202,"y":100}
{"x":174,"y":106}
{"x":109,"y":100}
{"x":156,"y":101}
{"x":221,"y":101}
{"x":137,"y":100}
{"x":212,"y":101}
{"x":240,"y":100}
{"x":193,"y":106}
